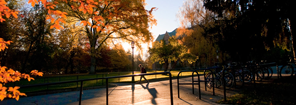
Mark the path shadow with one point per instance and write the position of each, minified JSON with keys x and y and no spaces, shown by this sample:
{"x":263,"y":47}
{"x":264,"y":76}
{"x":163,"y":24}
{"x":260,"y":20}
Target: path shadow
{"x":133,"y":93}
{"x":152,"y":92}
{"x":185,"y":101}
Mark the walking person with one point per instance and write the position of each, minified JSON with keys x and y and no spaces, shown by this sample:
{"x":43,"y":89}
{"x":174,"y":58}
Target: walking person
{"x":142,"y":71}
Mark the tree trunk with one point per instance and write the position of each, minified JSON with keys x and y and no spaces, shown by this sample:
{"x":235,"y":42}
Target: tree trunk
{"x":92,"y":42}
{"x":175,"y":64}
{"x":66,"y":68}
{"x":27,"y":57}
{"x":166,"y":64}
{"x":291,"y":20}
{"x":93,"y":65}
{"x":92,"y":59}
{"x":71,"y":62}
{"x":3,"y":54}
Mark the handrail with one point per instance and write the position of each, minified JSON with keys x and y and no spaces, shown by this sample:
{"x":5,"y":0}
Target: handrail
{"x":198,"y":80}
{"x":209,"y":69}
{"x":81,"y":86}
{"x":213,"y":79}
{"x":54,"y":83}
{"x":192,"y":82}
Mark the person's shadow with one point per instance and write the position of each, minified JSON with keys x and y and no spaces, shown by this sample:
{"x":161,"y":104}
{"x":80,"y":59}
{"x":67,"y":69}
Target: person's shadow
{"x":152,"y":91}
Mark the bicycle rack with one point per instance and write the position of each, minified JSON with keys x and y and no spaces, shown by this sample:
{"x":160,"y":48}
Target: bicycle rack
{"x":189,"y":83}
{"x":209,"y":69}
{"x":195,"y":82}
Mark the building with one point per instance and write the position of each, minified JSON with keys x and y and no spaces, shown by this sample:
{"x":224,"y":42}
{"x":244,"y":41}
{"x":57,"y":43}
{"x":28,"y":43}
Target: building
{"x":164,"y":37}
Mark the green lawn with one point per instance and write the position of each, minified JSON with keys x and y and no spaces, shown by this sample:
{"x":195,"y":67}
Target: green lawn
{"x":92,"y":83}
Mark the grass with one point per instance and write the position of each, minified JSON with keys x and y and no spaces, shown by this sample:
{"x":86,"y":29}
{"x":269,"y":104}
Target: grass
{"x":278,"y":92}
{"x":87,"y":84}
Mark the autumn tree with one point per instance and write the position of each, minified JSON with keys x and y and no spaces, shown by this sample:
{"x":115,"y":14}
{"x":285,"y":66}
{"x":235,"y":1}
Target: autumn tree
{"x":70,"y":40}
{"x":35,"y":38}
{"x":164,"y":53}
{"x":104,"y":20}
{"x":197,"y":32}
{"x":8,"y":30}
{"x":9,"y":75}
{"x":256,"y":25}
{"x":119,"y":58}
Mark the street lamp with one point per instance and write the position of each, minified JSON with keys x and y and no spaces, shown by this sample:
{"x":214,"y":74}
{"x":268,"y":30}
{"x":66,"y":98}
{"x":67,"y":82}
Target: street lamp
{"x":133,"y":46}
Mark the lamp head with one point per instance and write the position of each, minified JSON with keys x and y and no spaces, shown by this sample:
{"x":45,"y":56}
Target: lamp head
{"x":133,"y":44}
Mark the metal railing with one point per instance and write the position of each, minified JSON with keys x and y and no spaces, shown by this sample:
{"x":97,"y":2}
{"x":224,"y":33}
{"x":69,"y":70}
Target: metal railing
{"x":199,"y":81}
{"x":106,"y":78}
{"x":60,"y":78}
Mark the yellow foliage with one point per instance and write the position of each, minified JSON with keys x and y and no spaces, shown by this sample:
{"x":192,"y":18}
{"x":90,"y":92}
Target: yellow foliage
{"x":11,"y":75}
{"x":3,"y":44}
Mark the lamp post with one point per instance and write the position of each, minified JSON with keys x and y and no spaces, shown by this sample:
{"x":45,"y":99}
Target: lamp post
{"x":133,"y":46}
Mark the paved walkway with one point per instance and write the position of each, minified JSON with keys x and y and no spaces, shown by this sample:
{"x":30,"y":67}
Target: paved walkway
{"x":154,"y":93}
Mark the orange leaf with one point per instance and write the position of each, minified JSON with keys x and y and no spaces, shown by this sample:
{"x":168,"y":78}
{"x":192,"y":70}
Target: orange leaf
{"x":33,"y":2}
{"x":17,"y":97}
{"x":3,"y":68}
{"x":2,"y":96}
{"x":14,"y":14}
{"x":22,"y":94}
{"x":84,"y":23}
{"x":1,"y":19}
{"x":98,"y":29}
{"x":9,"y":96}
{"x":10,"y":71}
{"x":8,"y":14}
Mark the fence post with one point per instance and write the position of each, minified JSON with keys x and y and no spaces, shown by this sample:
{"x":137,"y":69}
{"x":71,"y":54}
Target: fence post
{"x":213,"y":84}
{"x":178,"y":85}
{"x":171,"y":89}
{"x":97,"y":79}
{"x":205,"y":80}
{"x":47,"y":86}
{"x":81,"y":88}
{"x":224,"y":86}
{"x":199,"y":86}
{"x":106,"y":91}
{"x":118,"y":78}
{"x":192,"y":82}
{"x":77,"y":81}
{"x":277,"y":71}
{"x":155,"y":74}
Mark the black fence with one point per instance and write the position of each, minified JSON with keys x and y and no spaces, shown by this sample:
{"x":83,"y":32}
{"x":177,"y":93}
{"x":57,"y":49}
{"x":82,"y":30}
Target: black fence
{"x":107,"y":85}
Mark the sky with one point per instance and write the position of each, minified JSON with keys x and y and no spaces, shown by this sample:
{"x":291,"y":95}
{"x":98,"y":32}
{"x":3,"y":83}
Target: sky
{"x":166,"y":16}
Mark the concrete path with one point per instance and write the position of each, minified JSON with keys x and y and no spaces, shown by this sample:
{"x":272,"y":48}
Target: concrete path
{"x":154,"y":93}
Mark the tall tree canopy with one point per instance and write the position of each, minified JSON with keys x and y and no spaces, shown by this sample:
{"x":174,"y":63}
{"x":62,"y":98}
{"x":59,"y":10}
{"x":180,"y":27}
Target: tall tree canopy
{"x":254,"y":25}
{"x":163,"y":52}
{"x":196,"y":32}
{"x":237,"y":30}
{"x":104,"y":20}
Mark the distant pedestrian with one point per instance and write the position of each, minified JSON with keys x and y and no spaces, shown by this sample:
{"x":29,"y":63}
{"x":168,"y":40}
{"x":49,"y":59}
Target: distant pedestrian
{"x":142,"y":69}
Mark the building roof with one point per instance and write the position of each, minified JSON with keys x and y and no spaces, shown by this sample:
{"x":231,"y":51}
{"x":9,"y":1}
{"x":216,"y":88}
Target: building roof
{"x":160,"y":37}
